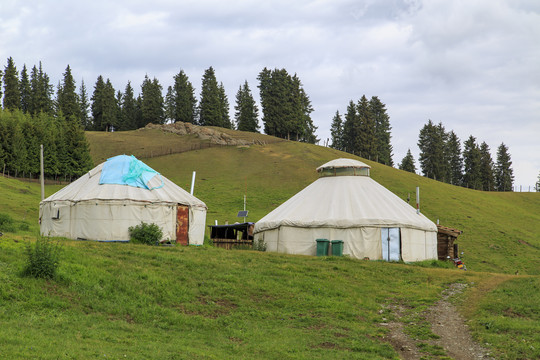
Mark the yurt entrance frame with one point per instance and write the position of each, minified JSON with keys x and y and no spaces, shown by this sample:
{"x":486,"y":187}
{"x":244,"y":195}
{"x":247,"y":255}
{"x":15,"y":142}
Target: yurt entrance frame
{"x":182,"y":225}
{"x":391,"y":244}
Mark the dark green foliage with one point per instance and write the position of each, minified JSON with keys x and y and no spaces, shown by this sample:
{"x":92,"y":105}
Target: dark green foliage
{"x":67,"y":100}
{"x":486,"y":168}
{"x":6,"y":223}
{"x":181,"y":102}
{"x":12,"y":94}
{"x":407,"y":163}
{"x":336,"y":131}
{"x":471,"y":157}
{"x":351,"y":129}
{"x":26,"y":90}
{"x":152,"y":102}
{"x":42,"y":259}
{"x":41,"y":92}
{"x":383,"y":153}
{"x":433,"y":161}
{"x":247,"y":113}
{"x":504,"y":174}
{"x":129,"y":110}
{"x":225,"y":119}
{"x":84,"y":105}
{"x":286,"y":107}
{"x":210,"y":103}
{"x":149,"y":234}
{"x":104,"y":106}
{"x":367,"y":145}
{"x":453,"y":149}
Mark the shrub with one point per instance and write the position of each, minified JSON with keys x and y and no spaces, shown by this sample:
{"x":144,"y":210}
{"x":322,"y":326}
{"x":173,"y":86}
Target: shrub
{"x":6,"y":223}
{"x":24,"y":226}
{"x":42,"y":259}
{"x":259,"y":245}
{"x":149,"y":234}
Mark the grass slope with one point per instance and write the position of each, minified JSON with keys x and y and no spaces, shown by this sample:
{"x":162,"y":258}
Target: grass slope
{"x":131,"y":301}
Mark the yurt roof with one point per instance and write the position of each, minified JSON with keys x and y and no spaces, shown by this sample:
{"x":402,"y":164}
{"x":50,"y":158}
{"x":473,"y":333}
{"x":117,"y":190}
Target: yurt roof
{"x":343,"y":163}
{"x":345,"y":202}
{"x":146,"y":186}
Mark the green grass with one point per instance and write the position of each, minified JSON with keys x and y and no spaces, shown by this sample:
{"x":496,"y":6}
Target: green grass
{"x":112,"y":300}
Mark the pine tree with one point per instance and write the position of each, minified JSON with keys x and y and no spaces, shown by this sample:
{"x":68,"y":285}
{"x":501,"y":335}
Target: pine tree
{"x":181,"y":101}
{"x":368,"y":141}
{"x":307,"y":128}
{"x":225,"y":119}
{"x":67,"y":99}
{"x":41,"y":92}
{"x":486,"y":168}
{"x":504,"y":174}
{"x":84,"y":105}
{"x":12,"y":93}
{"x":129,"y":110}
{"x":153,"y":104}
{"x":407,"y":163}
{"x":210,"y":103}
{"x":336,"y":131}
{"x":351,"y":129}
{"x":453,"y":149}
{"x":246,"y":110}
{"x":1,"y":79}
{"x":382,"y":131}
{"x":26,"y":90}
{"x":432,"y":159}
{"x":471,"y":158}
{"x":537,"y":185}
{"x":104,"y":107}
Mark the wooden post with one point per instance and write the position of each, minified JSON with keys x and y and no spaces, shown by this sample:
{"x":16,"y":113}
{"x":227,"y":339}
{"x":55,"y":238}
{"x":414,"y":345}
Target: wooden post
{"x":42,"y":175}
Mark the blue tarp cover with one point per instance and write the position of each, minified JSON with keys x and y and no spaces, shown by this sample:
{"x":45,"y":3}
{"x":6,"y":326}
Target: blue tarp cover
{"x":127,"y":170}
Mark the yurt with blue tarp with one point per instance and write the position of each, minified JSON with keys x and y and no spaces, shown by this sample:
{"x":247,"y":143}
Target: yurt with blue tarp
{"x":120,"y":193}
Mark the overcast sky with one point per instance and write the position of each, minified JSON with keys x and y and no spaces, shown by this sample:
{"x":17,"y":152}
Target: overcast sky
{"x":473,"y":65}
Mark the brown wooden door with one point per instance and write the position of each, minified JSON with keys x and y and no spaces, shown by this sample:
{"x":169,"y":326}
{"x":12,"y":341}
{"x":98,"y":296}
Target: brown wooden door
{"x":182,"y":225}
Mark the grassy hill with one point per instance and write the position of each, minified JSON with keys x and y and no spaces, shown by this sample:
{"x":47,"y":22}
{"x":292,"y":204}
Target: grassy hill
{"x":132,"y":301}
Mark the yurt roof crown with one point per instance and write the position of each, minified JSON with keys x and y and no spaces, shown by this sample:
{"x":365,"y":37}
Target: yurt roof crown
{"x":343,"y":167}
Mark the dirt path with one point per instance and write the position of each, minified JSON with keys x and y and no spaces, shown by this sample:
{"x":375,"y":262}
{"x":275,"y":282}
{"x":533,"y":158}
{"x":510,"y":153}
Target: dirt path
{"x":446,"y":322}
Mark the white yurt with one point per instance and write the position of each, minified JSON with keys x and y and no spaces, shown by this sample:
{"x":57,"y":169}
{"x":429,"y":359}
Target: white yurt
{"x":346,"y":204}
{"x":119,"y":193}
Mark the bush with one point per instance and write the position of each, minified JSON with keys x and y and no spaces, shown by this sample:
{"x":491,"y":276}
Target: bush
{"x":259,"y":245}
{"x":6,"y":223}
{"x":42,"y":259}
{"x":149,"y":234}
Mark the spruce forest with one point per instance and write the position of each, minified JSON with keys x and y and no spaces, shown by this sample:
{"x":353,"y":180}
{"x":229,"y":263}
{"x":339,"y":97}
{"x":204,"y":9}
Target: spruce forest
{"x":34,"y":113}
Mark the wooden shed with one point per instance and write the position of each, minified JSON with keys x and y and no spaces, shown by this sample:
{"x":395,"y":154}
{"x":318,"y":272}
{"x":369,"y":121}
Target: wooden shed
{"x":446,"y":248}
{"x":229,"y":236}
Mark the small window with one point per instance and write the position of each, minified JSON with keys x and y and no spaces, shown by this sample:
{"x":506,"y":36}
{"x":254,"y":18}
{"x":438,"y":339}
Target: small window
{"x":57,"y":215}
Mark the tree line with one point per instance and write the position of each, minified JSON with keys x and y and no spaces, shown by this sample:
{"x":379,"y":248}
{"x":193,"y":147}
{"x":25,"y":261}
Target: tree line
{"x":365,"y":131}
{"x":441,"y":158}
{"x":286,"y":107}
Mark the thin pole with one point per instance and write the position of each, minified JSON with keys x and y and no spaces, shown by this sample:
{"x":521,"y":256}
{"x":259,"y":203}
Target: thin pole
{"x":41,"y":176}
{"x":193,"y":183}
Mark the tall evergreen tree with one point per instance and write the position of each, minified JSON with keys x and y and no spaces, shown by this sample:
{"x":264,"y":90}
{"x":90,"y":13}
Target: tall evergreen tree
{"x":286,"y":108}
{"x":537,"y":185}
{"x":1,"y":79}
{"x":246,"y":110}
{"x":182,"y":104}
{"x":67,"y":99}
{"x":504,"y":174}
{"x":225,"y":119}
{"x":382,"y":131}
{"x":368,"y":141}
{"x":210,"y":103}
{"x":41,"y":92}
{"x":26,"y":90}
{"x":12,"y":93}
{"x":351,"y":130}
{"x":471,"y":158}
{"x":84,"y":106}
{"x":104,"y":106}
{"x":432,"y":159}
{"x":407,"y":163}
{"x":336,"y":131}
{"x":486,"y":168}
{"x":129,"y":110}
{"x":453,"y":149}
{"x":153,"y":104}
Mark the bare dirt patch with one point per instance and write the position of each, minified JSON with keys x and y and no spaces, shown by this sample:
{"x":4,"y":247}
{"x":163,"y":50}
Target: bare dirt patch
{"x":446,"y":322}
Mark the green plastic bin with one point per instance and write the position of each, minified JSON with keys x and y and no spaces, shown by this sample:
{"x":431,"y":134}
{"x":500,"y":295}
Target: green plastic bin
{"x":337,"y":247}
{"x":322,"y":247}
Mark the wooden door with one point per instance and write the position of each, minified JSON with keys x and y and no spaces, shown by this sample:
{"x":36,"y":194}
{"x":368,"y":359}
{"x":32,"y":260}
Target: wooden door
{"x":182,"y":225}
